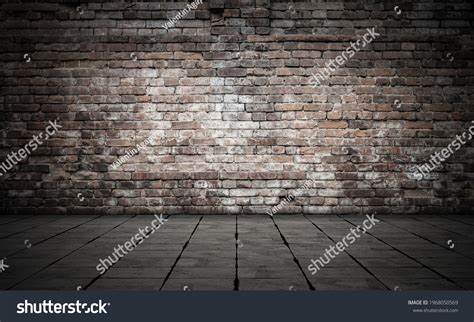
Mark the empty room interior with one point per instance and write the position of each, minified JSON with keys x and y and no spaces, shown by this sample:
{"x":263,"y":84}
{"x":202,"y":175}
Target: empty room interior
{"x":236,"y":145}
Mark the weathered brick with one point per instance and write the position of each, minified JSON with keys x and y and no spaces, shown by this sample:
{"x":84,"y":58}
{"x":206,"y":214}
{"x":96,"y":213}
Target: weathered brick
{"x":229,"y":91}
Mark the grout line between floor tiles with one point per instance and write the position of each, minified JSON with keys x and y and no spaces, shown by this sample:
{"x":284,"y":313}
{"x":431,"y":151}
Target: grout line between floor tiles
{"x":90,"y":241}
{"x":310,"y":285}
{"x":236,"y":280}
{"x":64,"y":231}
{"x":424,"y":238}
{"x":428,"y":223}
{"x":463,"y":222}
{"x":353,"y":258}
{"x":16,"y":220}
{"x":118,"y":260}
{"x":19,"y":232}
{"x":180,"y":254}
{"x":410,"y":257}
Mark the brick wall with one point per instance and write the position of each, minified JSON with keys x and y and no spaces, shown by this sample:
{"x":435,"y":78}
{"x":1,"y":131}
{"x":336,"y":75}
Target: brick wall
{"x":228,"y":93}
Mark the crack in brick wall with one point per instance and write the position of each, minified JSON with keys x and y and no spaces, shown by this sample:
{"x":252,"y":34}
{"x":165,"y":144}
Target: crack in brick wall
{"x":228,"y":93}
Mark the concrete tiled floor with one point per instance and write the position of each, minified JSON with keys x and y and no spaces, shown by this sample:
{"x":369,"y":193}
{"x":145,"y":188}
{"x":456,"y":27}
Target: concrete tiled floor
{"x":237,"y":253}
